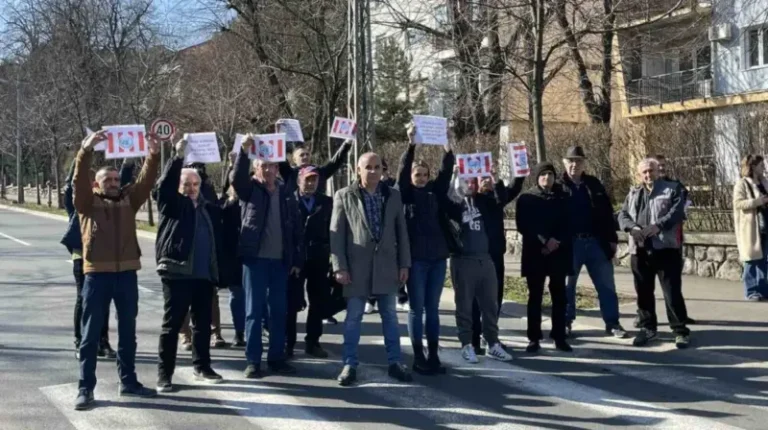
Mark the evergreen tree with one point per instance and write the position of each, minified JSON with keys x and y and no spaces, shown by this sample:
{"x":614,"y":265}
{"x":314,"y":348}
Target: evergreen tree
{"x":394,"y":92}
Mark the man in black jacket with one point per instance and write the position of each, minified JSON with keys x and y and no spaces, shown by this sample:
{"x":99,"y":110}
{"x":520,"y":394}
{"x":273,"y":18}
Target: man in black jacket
{"x":303,"y":158}
{"x":315,"y":211}
{"x":187,"y":253}
{"x":73,"y":241}
{"x":592,"y":228}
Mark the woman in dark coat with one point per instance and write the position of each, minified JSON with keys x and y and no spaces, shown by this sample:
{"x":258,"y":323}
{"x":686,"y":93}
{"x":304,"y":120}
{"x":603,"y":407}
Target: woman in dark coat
{"x":542,"y":221}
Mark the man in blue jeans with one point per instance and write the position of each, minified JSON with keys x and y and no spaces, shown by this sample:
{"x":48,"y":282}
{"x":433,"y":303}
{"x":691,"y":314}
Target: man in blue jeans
{"x":592,"y":228}
{"x":111,"y":257}
{"x":271,"y":247}
{"x":371,"y":256}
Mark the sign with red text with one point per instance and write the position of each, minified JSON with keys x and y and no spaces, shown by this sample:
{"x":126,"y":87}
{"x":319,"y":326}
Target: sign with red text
{"x":269,"y":147}
{"x":474,"y":165}
{"x":344,"y":128}
{"x":518,"y":159}
{"x":126,"y":141}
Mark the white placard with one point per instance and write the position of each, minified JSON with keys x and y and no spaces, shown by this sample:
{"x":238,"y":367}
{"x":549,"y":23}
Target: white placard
{"x":344,"y":128}
{"x":430,"y":130}
{"x":474,"y":165}
{"x":201,"y":148}
{"x":291,"y":128}
{"x":271,"y":147}
{"x":126,"y":141}
{"x":518,"y":159}
{"x":239,"y":138}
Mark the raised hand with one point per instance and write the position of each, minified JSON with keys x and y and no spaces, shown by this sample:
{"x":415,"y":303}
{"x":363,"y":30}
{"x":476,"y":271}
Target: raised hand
{"x":181,"y":145}
{"x":90,"y":142}
{"x":248,"y":142}
{"x":411,"y":132}
{"x":154,"y":143}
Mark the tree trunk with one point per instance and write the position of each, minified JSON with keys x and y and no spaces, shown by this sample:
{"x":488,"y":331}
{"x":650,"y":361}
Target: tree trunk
{"x":37,"y":185}
{"x":2,"y":176}
{"x":537,"y":85}
{"x":150,"y":218}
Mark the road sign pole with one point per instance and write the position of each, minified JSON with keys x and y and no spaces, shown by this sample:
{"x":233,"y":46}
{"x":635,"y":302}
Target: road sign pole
{"x":162,"y":154}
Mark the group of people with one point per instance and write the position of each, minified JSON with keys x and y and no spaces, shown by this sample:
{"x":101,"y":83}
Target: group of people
{"x":273,"y":236}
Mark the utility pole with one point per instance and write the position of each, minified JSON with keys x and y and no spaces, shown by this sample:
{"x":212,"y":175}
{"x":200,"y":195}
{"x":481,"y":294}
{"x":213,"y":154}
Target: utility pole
{"x":360,"y":76}
{"x":20,"y":195}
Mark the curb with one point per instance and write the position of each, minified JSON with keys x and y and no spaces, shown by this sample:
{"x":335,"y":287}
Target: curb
{"x":140,"y":233}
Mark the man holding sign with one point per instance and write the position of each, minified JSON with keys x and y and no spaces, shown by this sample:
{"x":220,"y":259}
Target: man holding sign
{"x":303,"y":158}
{"x":271,"y":244}
{"x":111,"y":258}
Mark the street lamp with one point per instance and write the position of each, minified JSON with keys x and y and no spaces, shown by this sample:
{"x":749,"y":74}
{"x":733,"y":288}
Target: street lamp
{"x":20,"y":187}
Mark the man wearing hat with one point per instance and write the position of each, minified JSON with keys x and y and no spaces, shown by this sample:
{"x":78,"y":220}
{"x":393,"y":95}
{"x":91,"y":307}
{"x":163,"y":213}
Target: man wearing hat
{"x":591,"y":228}
{"x":315,"y":211}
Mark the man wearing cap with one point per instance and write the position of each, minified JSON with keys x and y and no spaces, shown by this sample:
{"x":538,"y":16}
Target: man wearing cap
{"x":315,"y":216}
{"x":591,"y":228}
{"x":303,"y":158}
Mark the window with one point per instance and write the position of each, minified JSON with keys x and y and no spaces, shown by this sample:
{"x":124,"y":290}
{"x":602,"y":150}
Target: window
{"x":757,"y":47}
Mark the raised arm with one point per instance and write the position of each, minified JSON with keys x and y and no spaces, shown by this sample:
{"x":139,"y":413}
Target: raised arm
{"x":286,"y":172}
{"x":404,"y":175}
{"x":168,"y":197}
{"x":126,"y":172}
{"x":242,"y":169}
{"x":513,"y":191}
{"x":83,"y":188}
{"x":339,"y":231}
{"x":69,"y":204}
{"x":330,"y":168}
{"x":145,"y":181}
{"x":443,"y":180}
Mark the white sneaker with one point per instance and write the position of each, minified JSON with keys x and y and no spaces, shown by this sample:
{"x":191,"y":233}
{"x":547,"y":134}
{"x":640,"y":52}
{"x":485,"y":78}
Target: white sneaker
{"x":497,"y":352}
{"x":468,"y":353}
{"x":404,"y":307}
{"x":369,"y":308}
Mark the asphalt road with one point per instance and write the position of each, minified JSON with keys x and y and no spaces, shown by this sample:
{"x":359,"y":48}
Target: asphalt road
{"x":605,"y":384}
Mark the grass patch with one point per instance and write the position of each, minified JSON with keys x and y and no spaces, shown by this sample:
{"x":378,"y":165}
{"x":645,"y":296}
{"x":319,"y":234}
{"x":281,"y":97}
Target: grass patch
{"x":516,"y":290}
{"x":141,"y":225}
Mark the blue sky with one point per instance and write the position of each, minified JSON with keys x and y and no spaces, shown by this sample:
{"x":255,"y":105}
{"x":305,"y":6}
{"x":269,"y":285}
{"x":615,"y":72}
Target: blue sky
{"x":188,"y":22}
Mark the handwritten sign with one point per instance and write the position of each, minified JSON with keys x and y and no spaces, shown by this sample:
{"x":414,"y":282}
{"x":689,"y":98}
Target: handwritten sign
{"x":474,"y":165}
{"x":201,"y":148}
{"x":291,"y":128}
{"x":344,"y":128}
{"x":269,"y":147}
{"x":430,"y":130}
{"x":518,"y":159}
{"x":125,"y":141}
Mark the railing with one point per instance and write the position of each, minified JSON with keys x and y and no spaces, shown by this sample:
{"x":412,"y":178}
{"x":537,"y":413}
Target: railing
{"x":670,"y":88}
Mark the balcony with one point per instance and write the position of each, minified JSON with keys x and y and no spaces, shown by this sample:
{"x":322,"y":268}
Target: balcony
{"x":675,"y":87}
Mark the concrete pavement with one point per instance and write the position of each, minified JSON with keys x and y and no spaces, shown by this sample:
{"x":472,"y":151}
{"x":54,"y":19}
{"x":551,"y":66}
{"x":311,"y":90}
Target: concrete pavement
{"x":604,"y":384}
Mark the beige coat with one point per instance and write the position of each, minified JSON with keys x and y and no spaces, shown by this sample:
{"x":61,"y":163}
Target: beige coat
{"x":746,"y":203}
{"x":373,"y":267}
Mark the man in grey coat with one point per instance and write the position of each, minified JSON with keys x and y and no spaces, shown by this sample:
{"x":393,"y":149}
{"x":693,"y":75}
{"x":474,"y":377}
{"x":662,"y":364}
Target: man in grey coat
{"x":371,"y":256}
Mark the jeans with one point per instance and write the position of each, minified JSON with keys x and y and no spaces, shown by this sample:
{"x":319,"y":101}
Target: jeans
{"x":182,"y":297}
{"x":98,"y":290}
{"x":77,"y":271}
{"x":389,"y":327}
{"x":237,"y":307}
{"x":588,"y":252}
{"x":535,"y":296}
{"x":425,"y":286}
{"x":756,"y":274}
{"x":265,"y":282}
{"x":668,"y":264}
{"x":477,"y":324}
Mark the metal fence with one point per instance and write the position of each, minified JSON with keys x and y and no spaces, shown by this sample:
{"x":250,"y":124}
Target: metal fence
{"x":670,"y":88}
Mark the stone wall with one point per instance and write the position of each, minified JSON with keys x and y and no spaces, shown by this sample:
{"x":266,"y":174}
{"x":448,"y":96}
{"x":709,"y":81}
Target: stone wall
{"x":710,"y":255}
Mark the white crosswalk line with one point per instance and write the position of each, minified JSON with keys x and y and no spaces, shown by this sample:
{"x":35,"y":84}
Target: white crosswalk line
{"x":19,"y":241}
{"x":606,"y":403}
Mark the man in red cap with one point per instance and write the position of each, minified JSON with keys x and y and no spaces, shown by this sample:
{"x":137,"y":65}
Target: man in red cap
{"x":315,"y":216}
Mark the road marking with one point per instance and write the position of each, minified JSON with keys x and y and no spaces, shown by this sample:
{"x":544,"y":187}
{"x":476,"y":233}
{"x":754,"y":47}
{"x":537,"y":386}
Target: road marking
{"x":19,"y":241}
{"x":146,"y":290}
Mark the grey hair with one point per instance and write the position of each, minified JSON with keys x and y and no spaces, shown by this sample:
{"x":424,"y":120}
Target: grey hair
{"x":649,"y":161}
{"x":190,"y":171}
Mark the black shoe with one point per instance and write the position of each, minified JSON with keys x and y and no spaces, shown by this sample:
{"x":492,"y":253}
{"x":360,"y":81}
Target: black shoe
{"x":239,"y":341}
{"x":433,"y":360}
{"x":348,"y":376}
{"x":569,"y":330}
{"x":207,"y":375}
{"x":478,"y":349}
{"x":562,"y":345}
{"x":420,"y":365}
{"x":288,"y":353}
{"x":253,"y":371}
{"x":316,"y":351}
{"x":164,"y":384}
{"x":281,"y":368}
{"x":644,"y":336}
{"x":399,"y":372}
{"x":136,"y":390}
{"x":84,"y":400}
{"x":690,"y":321}
{"x":533,"y":347}
{"x":105,"y":350}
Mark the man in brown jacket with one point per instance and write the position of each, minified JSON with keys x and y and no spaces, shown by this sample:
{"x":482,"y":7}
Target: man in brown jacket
{"x":111,"y":257}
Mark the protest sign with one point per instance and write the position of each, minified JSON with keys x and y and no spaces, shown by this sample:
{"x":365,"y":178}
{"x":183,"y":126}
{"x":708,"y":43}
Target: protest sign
{"x":271,"y":147}
{"x":201,"y":148}
{"x":474,"y":165}
{"x":125,"y":141}
{"x":430,"y":130}
{"x":344,"y":128}
{"x":291,"y":128}
{"x":518,"y":159}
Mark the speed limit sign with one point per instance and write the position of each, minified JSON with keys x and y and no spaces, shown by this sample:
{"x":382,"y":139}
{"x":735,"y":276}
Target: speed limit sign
{"x":163,"y":128}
